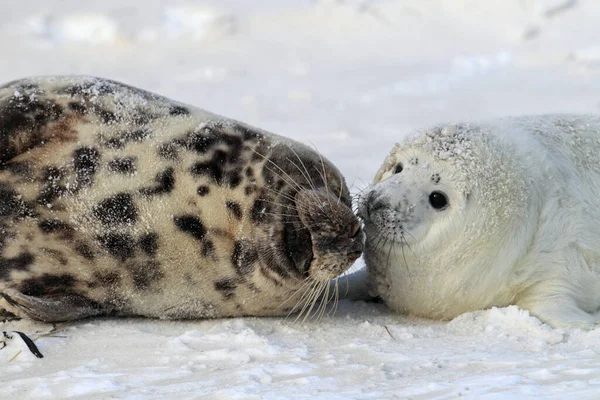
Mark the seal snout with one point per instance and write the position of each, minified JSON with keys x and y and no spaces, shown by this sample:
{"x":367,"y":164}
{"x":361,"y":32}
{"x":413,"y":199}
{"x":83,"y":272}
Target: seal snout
{"x":371,"y":204}
{"x":335,"y":232}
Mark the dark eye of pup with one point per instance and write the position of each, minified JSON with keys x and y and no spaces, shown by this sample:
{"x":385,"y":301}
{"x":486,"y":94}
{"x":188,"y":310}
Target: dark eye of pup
{"x":398,"y":168}
{"x":438,"y":200}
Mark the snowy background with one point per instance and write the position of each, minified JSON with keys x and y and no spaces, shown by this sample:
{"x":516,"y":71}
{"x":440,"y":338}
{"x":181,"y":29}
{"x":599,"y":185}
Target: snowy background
{"x":350,"y":77}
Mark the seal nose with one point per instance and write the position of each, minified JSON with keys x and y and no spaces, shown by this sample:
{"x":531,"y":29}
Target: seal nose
{"x":375,"y":203}
{"x":356,"y":247}
{"x":365,"y":206}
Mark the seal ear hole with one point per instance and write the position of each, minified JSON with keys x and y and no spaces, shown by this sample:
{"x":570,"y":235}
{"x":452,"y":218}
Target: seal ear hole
{"x":438,"y":200}
{"x":398,"y":168}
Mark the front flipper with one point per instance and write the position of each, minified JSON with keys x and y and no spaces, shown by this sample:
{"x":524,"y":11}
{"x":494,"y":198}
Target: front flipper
{"x":68,"y":308}
{"x":559,"y":311}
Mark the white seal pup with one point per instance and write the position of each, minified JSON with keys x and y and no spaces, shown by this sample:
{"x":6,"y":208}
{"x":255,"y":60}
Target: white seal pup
{"x":117,"y":201}
{"x":464,"y":217}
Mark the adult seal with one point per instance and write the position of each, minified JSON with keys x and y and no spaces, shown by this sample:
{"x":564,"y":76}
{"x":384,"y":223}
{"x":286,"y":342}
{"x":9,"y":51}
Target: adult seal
{"x":117,"y":201}
{"x":463,"y":217}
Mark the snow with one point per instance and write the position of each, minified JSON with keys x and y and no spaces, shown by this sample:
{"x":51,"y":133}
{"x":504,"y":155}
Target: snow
{"x":351,"y":78}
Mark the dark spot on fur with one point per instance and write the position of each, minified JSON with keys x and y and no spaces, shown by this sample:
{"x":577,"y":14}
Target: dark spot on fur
{"x":178,"y":110}
{"x":149,"y":243}
{"x":9,"y":201}
{"x":125,"y":165}
{"x":248,"y":134}
{"x":165,"y":182}
{"x":84,"y":251}
{"x":23,"y":121}
{"x":119,"y":245}
{"x":213,"y":168}
{"x":243,"y":258}
{"x":56,"y":254}
{"x":203,"y":190}
{"x":11,"y":204}
{"x":145,"y":273}
{"x":234,"y":179}
{"x":227,"y":287}
{"x":90,"y":87}
{"x":142,"y":116}
{"x":235,"y":209}
{"x":52,"y":188}
{"x":210,"y":169}
{"x":86,"y":161}
{"x":208,"y":248}
{"x":201,"y":143}
{"x":106,"y":116}
{"x":249,"y":172}
{"x":104,"y":280}
{"x":18,"y":263}
{"x":78,"y":108}
{"x":48,"y":285}
{"x":22,"y":169}
{"x":119,"y":209}
{"x":260,"y":152}
{"x":260,"y":212}
{"x":190,"y":225}
{"x":56,"y":226}
{"x":248,"y":190}
{"x":170,"y":150}
{"x":136,"y":135}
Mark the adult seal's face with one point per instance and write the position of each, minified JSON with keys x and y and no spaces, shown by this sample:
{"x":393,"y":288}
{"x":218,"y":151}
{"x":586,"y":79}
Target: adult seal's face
{"x":308,"y":230}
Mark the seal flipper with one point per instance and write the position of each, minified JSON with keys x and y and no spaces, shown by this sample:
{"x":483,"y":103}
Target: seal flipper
{"x":67,"y":308}
{"x":6,"y":315}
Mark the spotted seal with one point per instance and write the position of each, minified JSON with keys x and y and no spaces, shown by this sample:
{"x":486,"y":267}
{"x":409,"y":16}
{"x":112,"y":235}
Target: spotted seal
{"x":118,"y":201}
{"x":463,"y":217}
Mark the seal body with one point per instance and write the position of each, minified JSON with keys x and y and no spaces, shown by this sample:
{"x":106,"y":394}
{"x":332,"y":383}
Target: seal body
{"x":117,"y":201}
{"x":463,"y":217}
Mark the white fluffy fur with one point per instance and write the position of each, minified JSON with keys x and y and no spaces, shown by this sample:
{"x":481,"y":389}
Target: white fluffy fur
{"x":522,"y":226}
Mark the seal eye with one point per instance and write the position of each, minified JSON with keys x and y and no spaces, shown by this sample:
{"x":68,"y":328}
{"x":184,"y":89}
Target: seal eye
{"x":438,"y":200}
{"x":398,"y":168}
{"x":354,"y":230}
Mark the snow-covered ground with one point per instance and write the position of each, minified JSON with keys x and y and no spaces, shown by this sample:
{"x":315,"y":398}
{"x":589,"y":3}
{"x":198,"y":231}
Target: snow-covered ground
{"x":349,"y":77}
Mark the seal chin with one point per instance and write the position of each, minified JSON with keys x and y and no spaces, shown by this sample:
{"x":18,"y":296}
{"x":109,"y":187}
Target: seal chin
{"x":334,"y":231}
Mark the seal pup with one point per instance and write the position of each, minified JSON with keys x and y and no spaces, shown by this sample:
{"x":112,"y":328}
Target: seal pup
{"x":464,"y":217}
{"x":118,"y":201}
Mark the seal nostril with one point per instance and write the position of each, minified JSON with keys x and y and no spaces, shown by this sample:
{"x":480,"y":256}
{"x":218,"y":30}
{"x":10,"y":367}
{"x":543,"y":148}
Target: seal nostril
{"x":376,"y":206}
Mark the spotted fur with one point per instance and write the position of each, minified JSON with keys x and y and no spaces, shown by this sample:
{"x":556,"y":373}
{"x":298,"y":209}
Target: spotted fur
{"x":117,"y":201}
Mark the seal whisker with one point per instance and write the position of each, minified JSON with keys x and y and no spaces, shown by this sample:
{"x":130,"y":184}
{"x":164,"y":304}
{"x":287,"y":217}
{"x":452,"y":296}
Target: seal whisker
{"x":291,"y":181}
{"x":322,"y":174}
{"x":304,"y":173}
{"x":322,"y":285}
{"x":324,"y":301}
{"x":306,"y":305}
{"x":287,"y":178}
{"x":304,"y":288}
{"x":336,"y":299}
